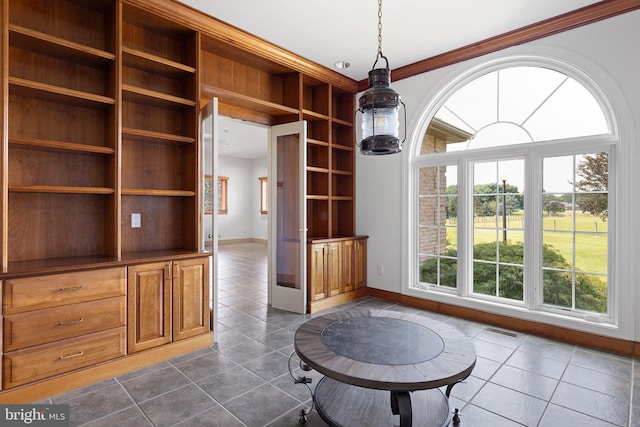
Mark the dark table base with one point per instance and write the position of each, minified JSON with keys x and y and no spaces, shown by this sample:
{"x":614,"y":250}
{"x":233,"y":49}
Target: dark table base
{"x":341,"y":404}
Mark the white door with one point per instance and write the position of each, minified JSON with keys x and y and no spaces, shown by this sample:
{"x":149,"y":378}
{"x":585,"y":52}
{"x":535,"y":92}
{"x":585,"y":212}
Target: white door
{"x":288,"y":217}
{"x":209,"y":147}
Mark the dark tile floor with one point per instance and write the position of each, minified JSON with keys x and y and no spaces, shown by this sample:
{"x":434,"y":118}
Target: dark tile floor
{"x":243,"y":379}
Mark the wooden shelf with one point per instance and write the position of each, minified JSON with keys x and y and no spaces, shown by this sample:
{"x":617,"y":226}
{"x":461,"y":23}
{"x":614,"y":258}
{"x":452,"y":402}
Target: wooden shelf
{"x":317,"y":142}
{"x":317,"y":197}
{"x":340,"y":122}
{"x":155,"y":64}
{"x":60,"y":145}
{"x":49,"y":92}
{"x":153,"y":192}
{"x":317,"y":170}
{"x":341,"y":172}
{"x":149,"y":135}
{"x":151,"y":97}
{"x":59,"y":189}
{"x":247,"y":102}
{"x":27,"y":39}
{"x":313,"y":116}
{"x":336,"y":146}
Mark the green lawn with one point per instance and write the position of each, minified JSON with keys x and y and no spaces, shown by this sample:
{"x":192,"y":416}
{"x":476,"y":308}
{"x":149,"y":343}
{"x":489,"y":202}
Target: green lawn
{"x":591,"y":240}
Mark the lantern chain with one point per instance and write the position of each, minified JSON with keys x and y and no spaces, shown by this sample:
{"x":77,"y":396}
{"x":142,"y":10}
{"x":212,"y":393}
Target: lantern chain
{"x":379,"y":30}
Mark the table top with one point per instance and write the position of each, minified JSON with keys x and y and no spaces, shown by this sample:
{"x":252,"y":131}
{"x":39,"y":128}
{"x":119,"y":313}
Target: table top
{"x":385,"y":350}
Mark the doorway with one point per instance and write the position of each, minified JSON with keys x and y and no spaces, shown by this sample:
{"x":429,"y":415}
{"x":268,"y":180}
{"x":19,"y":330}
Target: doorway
{"x":242,"y":153}
{"x":242,"y":161}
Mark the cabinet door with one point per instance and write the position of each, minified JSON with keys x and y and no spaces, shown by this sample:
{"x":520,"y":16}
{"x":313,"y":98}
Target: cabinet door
{"x":149,"y":311}
{"x":348,"y":265}
{"x":333,"y":254}
{"x":317,"y":272}
{"x":190,"y":298}
{"x":360,"y":263}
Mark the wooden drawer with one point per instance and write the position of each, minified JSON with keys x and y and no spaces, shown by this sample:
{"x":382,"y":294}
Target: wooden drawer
{"x":33,"y":293}
{"x":41,"y":326}
{"x":24,"y":366}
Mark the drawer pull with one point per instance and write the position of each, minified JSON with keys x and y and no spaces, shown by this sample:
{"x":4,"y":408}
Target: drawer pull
{"x":71,"y":289}
{"x":71,"y":356}
{"x":71,"y":322}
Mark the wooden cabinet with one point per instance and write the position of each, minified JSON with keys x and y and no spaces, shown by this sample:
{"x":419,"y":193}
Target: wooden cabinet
{"x":47,"y":360}
{"x":100,"y":103}
{"x":349,"y":260}
{"x":102,"y":108}
{"x":191,"y":315}
{"x":325,"y":270}
{"x":149,"y":313}
{"x":168,"y":301}
{"x":42,"y":326}
{"x":53,"y":290}
{"x":357,"y":260}
{"x":335,"y":268}
{"x":82,"y":322}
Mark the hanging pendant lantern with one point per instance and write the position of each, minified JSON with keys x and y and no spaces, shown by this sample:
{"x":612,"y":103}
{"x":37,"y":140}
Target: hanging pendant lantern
{"x":380,"y":108}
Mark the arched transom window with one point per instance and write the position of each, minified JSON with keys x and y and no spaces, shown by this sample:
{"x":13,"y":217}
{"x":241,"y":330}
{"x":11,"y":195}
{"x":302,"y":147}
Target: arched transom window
{"x":512,"y":194}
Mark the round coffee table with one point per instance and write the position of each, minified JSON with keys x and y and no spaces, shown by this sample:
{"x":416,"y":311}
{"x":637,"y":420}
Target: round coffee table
{"x":365,"y":354}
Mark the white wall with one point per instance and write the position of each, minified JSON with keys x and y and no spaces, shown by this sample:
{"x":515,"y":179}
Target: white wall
{"x":606,"y":50}
{"x":243,"y":219}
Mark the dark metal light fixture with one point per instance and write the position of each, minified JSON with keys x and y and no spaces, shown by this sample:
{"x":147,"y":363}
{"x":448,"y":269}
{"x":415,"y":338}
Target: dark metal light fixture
{"x":380,"y":108}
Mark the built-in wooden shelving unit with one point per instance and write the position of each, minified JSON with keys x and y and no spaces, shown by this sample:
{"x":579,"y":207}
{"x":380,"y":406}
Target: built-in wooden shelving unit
{"x":101,"y":103}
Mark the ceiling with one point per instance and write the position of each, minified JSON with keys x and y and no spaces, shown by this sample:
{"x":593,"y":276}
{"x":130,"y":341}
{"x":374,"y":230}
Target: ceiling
{"x":347,"y":30}
{"x":326,"y":31}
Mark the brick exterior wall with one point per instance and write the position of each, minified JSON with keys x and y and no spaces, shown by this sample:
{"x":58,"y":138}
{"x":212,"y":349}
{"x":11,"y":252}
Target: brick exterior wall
{"x":432,"y":240}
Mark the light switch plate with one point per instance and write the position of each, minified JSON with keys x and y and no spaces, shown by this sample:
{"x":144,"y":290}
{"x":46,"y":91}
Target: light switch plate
{"x":135,"y":220}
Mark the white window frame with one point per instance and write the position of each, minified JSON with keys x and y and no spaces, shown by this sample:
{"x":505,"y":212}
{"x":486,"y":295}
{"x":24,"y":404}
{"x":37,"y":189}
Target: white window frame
{"x":531,"y":309}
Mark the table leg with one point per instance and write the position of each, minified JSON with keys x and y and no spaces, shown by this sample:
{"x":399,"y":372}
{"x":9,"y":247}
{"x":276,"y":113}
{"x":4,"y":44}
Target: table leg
{"x":401,"y":405}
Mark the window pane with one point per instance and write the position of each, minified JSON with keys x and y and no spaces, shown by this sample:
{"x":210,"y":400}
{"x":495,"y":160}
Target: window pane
{"x":591,"y":293}
{"x":557,"y":212}
{"x":428,"y":207}
{"x":448,"y":272}
{"x":498,"y":228}
{"x":476,"y":103}
{"x":511,"y":106}
{"x":518,"y":101}
{"x":484,"y":278}
{"x":558,"y":288}
{"x":511,"y":283}
{"x":575,"y":232}
{"x":429,"y":269}
{"x":485,"y":245}
{"x":557,"y":250}
{"x":570,"y":112}
{"x":558,"y":175}
{"x":591,"y":253}
{"x":517,"y":107}
{"x":264,"y":194}
{"x":438,"y":207}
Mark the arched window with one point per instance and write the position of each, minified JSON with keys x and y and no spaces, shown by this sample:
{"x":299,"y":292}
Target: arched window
{"x":512,"y":193}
